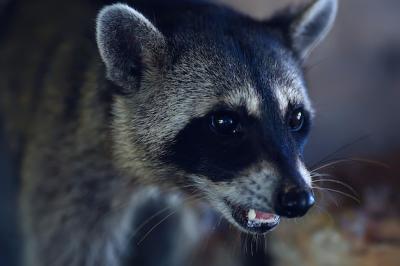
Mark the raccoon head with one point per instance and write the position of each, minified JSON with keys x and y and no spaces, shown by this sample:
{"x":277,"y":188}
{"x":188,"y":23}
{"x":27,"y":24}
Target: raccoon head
{"x":216,"y":101}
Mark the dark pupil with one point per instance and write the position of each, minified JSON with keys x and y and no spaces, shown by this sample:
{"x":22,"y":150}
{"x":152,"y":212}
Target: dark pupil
{"x":224,"y":124}
{"x":296,"y":120}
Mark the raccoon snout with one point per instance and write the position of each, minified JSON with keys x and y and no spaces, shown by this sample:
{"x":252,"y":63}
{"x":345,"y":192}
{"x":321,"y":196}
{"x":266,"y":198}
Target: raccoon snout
{"x":294,"y":201}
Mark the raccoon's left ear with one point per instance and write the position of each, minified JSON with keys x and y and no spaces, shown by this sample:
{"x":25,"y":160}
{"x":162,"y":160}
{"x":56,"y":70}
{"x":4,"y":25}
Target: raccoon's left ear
{"x":129,"y":45}
{"x":309,"y":26}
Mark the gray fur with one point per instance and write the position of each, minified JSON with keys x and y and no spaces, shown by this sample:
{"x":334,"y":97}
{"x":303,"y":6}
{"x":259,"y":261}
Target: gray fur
{"x":128,"y":41}
{"x":94,"y":151}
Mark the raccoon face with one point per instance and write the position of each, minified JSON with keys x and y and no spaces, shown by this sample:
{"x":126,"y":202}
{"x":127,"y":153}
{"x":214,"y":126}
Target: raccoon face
{"x":216,"y":101}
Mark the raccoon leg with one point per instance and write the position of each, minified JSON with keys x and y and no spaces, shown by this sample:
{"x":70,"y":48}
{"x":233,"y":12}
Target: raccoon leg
{"x":165,"y":232}
{"x":93,"y":228}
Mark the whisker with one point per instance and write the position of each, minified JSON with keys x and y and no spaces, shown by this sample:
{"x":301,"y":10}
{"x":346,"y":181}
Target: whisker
{"x":360,"y":160}
{"x":120,"y":206}
{"x":185,"y":201}
{"x":330,"y":164}
{"x":149,"y":219}
{"x":162,"y":220}
{"x":156,"y":225}
{"x":370,"y":161}
{"x":340,"y":192}
{"x":340,"y":149}
{"x":337,"y":182}
{"x":320,"y":175}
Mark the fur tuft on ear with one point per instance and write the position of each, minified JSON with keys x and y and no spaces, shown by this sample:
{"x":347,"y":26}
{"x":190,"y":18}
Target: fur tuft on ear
{"x":311,"y":25}
{"x":129,"y":44}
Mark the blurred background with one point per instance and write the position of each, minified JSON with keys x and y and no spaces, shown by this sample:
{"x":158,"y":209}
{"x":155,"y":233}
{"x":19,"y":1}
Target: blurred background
{"x":354,"y":79}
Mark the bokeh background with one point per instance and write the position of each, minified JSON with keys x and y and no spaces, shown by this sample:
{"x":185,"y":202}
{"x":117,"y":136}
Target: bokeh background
{"x":354,"y":78}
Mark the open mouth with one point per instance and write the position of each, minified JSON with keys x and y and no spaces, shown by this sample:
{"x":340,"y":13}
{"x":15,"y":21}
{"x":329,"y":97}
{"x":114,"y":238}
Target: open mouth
{"x":252,"y":220}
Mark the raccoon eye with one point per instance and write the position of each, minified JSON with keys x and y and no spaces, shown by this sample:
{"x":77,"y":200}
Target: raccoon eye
{"x":225,"y":123}
{"x":296,"y":119}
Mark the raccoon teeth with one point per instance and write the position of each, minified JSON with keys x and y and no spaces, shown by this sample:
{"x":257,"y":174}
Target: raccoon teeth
{"x":251,"y":215}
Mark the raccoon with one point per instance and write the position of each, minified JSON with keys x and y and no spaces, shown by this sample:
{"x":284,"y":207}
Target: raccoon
{"x":178,"y":98}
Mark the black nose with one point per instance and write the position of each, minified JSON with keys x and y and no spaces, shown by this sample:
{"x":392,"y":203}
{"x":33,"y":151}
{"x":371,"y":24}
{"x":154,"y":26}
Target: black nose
{"x":294,"y":202}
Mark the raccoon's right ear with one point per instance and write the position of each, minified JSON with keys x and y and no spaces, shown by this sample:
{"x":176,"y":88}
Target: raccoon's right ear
{"x":304,"y":28}
{"x":129,"y":44}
